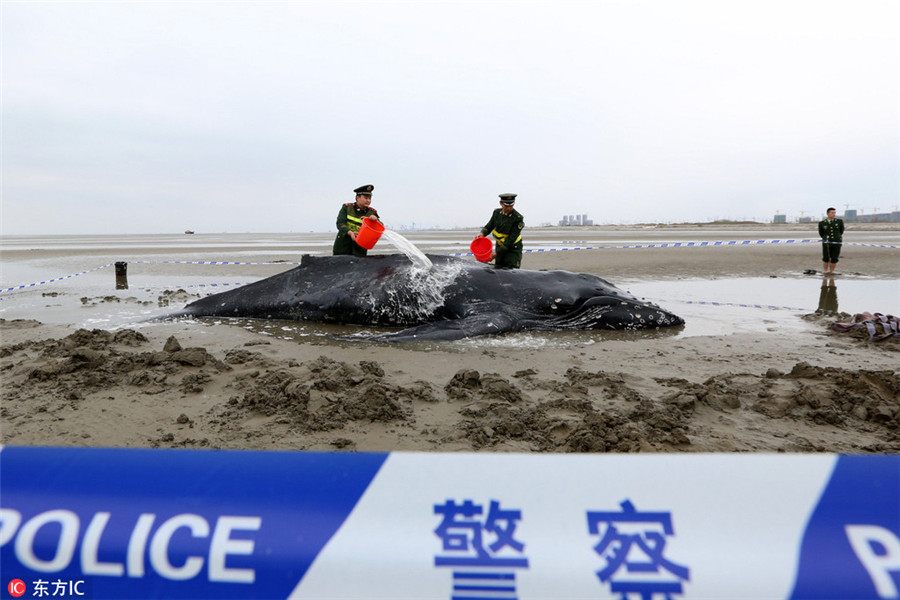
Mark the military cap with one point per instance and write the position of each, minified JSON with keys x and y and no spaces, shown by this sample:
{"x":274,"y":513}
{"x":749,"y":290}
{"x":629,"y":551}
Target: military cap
{"x":507,"y":198}
{"x":364,"y":190}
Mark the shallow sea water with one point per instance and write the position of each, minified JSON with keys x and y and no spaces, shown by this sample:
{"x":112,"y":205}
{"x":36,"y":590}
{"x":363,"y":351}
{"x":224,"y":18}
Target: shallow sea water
{"x":159,"y":264}
{"x":718,"y":307}
{"x":709,"y":307}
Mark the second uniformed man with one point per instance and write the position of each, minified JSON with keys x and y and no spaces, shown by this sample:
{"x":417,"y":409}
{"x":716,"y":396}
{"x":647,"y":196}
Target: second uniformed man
{"x":831,"y":230}
{"x":506,"y":226}
{"x":350,"y":219}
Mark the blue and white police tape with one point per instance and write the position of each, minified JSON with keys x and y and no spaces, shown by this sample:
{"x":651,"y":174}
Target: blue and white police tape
{"x":131,"y":523}
{"x":63,"y":278}
{"x":54,"y":280}
{"x":739,"y":305}
{"x":693,"y":245}
{"x":226,"y":284}
{"x":208,"y":262}
{"x":531,"y":250}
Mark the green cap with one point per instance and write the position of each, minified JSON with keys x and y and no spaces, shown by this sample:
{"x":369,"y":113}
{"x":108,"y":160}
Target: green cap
{"x":508,"y":198}
{"x":364,"y":190}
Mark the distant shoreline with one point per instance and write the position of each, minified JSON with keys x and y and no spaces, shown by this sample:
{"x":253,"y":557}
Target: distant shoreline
{"x":711,"y":226}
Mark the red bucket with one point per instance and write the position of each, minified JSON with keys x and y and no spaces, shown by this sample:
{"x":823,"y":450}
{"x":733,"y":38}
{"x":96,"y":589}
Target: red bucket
{"x":482,"y":248}
{"x":369,"y":233}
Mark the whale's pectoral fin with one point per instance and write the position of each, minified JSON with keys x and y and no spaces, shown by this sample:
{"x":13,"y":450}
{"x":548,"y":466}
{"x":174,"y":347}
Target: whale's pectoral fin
{"x":456,"y":329}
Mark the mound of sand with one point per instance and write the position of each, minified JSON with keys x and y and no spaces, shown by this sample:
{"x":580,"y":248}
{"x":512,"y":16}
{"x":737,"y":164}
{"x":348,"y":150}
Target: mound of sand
{"x":125,"y":389}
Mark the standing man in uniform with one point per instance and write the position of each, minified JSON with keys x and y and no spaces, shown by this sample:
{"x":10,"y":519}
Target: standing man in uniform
{"x":831,"y":230}
{"x":506,"y":225}
{"x":350,"y":219}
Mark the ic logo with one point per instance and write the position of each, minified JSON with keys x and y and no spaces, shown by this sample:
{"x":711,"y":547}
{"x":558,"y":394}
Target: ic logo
{"x":16,"y":588}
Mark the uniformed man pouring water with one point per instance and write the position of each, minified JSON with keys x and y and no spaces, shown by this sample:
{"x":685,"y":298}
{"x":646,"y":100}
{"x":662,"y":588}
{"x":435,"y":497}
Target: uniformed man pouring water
{"x":350,"y":219}
{"x":506,"y":226}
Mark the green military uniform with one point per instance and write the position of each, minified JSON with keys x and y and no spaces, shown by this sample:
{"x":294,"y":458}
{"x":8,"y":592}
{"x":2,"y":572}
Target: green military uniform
{"x":831,"y":231}
{"x":507,"y":232}
{"x":349,"y":219}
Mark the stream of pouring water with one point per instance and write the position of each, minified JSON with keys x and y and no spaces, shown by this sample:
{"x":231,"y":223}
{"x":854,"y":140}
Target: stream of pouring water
{"x":408,"y":248}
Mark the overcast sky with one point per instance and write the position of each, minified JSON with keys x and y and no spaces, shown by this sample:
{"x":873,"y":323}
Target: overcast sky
{"x":156,"y":117}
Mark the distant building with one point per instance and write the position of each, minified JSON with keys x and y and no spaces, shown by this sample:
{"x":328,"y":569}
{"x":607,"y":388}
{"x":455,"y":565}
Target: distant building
{"x":853,"y":216}
{"x":573,"y":220}
{"x":849,"y":216}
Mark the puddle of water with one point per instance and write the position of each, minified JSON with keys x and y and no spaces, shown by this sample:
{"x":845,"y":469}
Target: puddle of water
{"x":722,"y":306}
{"x":709,"y":306}
{"x":332,"y":333}
{"x":850,"y":295}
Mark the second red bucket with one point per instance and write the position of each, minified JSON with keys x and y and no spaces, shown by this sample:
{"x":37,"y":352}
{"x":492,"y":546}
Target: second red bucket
{"x":369,"y":233}
{"x":482,"y":248}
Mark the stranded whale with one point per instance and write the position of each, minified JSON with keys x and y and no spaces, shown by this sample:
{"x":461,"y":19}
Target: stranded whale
{"x":453,"y":300}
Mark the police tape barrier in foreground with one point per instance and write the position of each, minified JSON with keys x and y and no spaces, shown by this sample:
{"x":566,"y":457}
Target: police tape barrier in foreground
{"x":113,"y":523}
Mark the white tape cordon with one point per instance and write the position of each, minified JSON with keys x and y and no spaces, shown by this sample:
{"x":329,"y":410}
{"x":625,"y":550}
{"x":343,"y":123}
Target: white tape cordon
{"x":535,"y":250}
{"x":696,"y":245}
{"x":29,"y":285}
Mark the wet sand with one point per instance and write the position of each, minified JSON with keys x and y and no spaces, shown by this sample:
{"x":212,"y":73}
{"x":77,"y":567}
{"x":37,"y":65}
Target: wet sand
{"x":217,"y":385}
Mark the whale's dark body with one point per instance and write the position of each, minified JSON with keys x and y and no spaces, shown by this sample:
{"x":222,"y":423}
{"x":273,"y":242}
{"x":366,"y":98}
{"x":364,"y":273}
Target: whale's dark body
{"x":456,"y":299}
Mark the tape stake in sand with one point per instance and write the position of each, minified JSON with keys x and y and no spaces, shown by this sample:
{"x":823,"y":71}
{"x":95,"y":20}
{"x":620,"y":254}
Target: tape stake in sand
{"x":249,"y":524}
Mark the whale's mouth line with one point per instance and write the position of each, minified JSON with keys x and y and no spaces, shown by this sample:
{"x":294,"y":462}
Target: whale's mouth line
{"x":594,"y":313}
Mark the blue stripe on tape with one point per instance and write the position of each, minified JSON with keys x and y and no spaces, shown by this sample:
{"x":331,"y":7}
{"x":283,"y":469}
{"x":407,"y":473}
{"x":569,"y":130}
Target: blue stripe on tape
{"x":173,"y":523}
{"x":858,"y":521}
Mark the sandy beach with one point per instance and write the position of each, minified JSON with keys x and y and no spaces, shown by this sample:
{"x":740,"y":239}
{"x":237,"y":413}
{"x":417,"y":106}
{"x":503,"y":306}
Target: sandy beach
{"x":190,"y":384}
